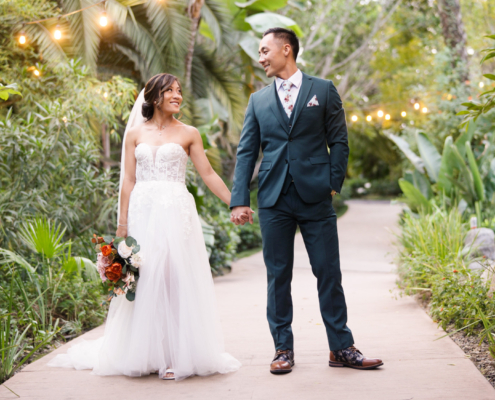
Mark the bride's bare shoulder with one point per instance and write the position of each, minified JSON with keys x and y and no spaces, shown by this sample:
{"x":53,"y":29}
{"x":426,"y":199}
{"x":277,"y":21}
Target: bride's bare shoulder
{"x":190,"y":130}
{"x":135,"y":132}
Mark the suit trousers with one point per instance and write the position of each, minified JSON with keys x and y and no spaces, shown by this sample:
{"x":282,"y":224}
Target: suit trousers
{"x":318,"y":224}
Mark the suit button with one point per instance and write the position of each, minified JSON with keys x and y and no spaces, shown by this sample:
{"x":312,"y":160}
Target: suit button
{"x":290,"y":140}
{"x":290,"y":126}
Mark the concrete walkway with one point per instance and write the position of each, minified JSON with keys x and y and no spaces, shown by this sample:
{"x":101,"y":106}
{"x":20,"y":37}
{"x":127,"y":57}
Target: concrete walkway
{"x":395,"y":329}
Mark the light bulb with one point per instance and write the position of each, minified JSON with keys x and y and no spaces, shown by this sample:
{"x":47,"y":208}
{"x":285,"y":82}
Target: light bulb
{"x":416,"y":106}
{"x":425,"y":110}
{"x":380,"y":113}
{"x":470,"y":51}
{"x":354,"y":118}
{"x":481,"y":84}
{"x":387,"y":117}
{"x":368,"y":118}
{"x":105,"y":95}
{"x":36,"y":72}
{"x":403,"y":113}
{"x":58,"y":33}
{"x":22,"y":38}
{"x":103,"y":19}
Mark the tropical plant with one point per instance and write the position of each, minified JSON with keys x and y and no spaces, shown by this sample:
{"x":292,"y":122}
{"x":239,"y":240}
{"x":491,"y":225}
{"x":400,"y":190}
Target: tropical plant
{"x":15,"y":348}
{"x":454,"y":174}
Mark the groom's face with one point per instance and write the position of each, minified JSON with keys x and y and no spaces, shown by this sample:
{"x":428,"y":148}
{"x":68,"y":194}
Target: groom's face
{"x":273,"y":55}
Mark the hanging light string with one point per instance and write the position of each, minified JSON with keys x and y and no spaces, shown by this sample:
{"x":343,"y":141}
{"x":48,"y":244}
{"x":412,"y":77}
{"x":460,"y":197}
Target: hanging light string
{"x":64,"y":15}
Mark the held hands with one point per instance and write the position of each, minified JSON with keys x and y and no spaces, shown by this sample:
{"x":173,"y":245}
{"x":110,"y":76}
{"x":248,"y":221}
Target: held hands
{"x":241,"y":214}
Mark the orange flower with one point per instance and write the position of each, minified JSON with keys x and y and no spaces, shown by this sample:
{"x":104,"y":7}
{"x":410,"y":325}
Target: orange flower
{"x":455,"y":271}
{"x":113,"y":272}
{"x":106,"y":250}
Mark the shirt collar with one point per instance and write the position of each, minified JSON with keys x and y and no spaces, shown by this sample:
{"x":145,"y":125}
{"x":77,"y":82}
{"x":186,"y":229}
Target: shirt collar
{"x":296,"y":79}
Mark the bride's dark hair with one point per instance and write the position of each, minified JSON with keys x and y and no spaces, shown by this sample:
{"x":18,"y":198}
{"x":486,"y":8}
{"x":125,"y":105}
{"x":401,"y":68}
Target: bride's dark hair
{"x":153,"y":91}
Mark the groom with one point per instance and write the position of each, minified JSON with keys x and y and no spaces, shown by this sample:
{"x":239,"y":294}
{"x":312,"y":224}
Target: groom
{"x":293,"y":120}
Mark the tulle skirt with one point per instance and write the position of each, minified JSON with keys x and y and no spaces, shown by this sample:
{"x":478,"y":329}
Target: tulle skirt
{"x":173,"y":321}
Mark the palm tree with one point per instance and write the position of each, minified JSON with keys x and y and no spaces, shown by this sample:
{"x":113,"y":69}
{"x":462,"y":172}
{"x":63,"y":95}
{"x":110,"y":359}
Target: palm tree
{"x":149,"y":37}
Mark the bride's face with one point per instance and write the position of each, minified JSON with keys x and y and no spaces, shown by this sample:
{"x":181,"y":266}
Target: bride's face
{"x":172,"y":99}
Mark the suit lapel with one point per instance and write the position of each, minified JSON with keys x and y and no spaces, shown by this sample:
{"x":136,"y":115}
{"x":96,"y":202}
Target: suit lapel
{"x":302,"y":97}
{"x":276,"y":109}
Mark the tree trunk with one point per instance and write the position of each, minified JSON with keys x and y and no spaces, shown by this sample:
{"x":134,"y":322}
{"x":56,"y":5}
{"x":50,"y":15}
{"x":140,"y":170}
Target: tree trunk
{"x":194,"y":12}
{"x":454,"y":35}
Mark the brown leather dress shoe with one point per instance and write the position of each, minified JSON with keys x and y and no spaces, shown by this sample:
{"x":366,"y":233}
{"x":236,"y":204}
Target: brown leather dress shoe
{"x":352,"y":358}
{"x":283,"y":362}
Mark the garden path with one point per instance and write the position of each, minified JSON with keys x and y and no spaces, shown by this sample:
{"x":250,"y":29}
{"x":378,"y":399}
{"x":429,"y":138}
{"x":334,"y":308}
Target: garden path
{"x":384,"y":325}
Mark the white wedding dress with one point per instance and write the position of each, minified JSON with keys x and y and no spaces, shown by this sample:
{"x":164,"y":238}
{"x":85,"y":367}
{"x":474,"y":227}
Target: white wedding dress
{"x":173,"y":321}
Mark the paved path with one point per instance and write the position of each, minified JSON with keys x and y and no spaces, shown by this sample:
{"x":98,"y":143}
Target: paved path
{"x":397,"y":330}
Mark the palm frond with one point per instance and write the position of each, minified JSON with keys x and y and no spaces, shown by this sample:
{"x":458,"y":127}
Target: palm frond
{"x":210,"y":73}
{"x":85,"y":32}
{"x":51,"y":50}
{"x":216,"y":16}
{"x":171,"y":28}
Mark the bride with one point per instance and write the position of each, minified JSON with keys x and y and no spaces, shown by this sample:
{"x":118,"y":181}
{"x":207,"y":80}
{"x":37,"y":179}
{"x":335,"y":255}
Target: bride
{"x":172,"y":327}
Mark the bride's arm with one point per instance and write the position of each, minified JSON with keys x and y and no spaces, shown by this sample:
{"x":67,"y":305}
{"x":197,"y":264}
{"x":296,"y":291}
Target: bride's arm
{"x":127,"y":184}
{"x":203,"y":166}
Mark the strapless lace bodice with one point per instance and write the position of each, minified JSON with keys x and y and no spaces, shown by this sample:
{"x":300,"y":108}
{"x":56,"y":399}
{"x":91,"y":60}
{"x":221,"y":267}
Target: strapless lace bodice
{"x":161,"y":163}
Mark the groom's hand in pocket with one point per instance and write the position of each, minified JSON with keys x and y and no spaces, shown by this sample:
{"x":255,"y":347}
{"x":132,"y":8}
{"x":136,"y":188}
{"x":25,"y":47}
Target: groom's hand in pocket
{"x":241,"y":214}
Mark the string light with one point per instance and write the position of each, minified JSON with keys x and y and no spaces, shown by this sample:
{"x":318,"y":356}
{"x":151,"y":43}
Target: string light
{"x":425,"y":110}
{"x":22,"y":38}
{"x":368,"y":118}
{"x":387,"y":117}
{"x":403,"y":113}
{"x":58,"y":33}
{"x":103,"y":19}
{"x":416,"y":106}
{"x":105,"y":95}
{"x":36,"y":72}
{"x":380,"y":113}
{"x":470,"y":51}
{"x":354,"y":118}
{"x":481,"y":84}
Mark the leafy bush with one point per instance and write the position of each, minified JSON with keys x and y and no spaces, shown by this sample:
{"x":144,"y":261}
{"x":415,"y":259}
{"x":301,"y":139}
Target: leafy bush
{"x":44,"y":292}
{"x":432,"y":262}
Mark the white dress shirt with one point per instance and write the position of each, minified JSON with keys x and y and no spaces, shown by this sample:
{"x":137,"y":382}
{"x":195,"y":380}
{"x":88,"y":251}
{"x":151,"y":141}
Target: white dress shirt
{"x":296,"y":80}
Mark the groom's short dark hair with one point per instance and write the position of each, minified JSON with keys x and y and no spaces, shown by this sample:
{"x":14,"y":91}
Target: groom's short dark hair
{"x":288,"y":36}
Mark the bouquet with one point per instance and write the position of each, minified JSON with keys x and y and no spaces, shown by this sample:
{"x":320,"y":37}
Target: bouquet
{"x":118,"y":263}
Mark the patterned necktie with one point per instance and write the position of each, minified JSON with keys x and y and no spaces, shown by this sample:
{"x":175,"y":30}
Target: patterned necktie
{"x":287,"y":103}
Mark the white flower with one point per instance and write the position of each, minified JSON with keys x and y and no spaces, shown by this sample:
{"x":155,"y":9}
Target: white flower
{"x":137,"y":260}
{"x":124,"y":250}
{"x":129,"y":278}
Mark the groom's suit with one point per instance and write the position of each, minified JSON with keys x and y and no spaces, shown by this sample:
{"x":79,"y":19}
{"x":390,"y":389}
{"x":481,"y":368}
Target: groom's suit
{"x":296,"y":177}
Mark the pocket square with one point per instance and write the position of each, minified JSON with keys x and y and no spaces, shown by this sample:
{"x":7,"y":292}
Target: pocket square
{"x":313,"y":102}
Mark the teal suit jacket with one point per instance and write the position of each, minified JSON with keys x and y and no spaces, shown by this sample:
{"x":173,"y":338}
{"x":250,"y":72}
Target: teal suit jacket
{"x":300,"y":148}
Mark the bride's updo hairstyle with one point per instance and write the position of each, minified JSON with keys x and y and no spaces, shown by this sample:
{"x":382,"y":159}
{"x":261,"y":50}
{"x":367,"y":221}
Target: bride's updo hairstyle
{"x":153,"y":91}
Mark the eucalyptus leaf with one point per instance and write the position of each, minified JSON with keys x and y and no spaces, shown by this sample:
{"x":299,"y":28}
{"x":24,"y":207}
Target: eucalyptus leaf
{"x":107,"y":239}
{"x":130,"y":295}
{"x":136,"y":249}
